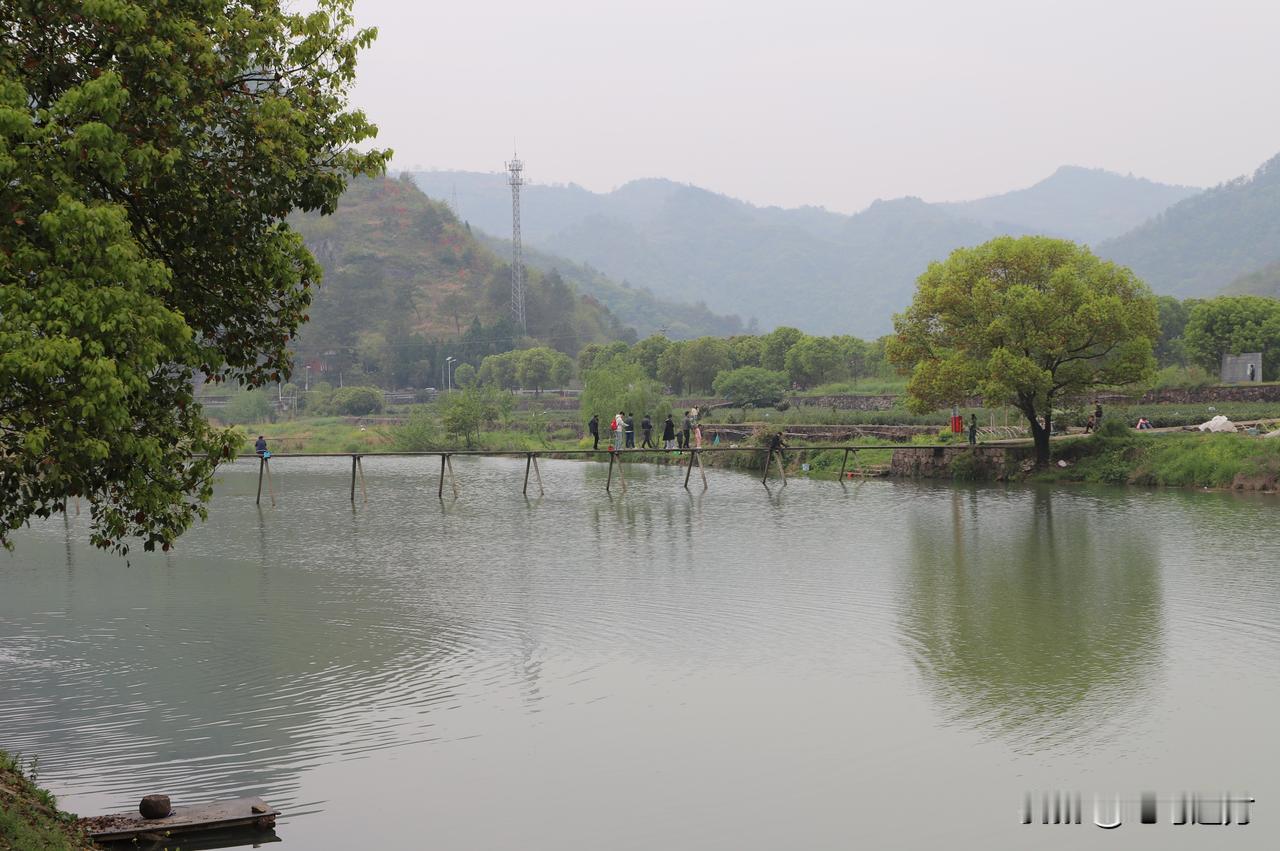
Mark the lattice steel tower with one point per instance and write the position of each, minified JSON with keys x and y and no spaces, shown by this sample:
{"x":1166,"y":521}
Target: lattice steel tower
{"x":515,"y":170}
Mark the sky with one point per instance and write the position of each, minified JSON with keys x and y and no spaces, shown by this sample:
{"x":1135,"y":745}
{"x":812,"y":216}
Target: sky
{"x":832,"y":104}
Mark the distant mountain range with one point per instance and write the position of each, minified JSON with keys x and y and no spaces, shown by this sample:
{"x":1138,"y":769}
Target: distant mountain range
{"x":1201,"y":244}
{"x":820,"y":271}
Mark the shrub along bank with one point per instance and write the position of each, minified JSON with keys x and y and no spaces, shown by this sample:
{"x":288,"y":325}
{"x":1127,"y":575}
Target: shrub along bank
{"x":29,"y":816}
{"x":1120,"y":455}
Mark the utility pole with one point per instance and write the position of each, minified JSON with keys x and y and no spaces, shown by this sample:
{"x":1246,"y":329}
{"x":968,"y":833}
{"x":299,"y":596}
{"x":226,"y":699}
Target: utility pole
{"x":515,"y":178}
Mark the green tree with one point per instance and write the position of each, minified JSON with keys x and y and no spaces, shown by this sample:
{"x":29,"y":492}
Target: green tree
{"x":745,"y":350}
{"x":1173,"y":316}
{"x":701,"y":360}
{"x":751,"y":385}
{"x":671,"y":366}
{"x":647,"y":352}
{"x":1234,"y":325}
{"x":619,"y":384}
{"x":499,"y":371}
{"x":465,"y":375}
{"x":533,"y":368}
{"x":1024,"y":322}
{"x":356,"y":401}
{"x":776,"y":344}
{"x":465,"y":412}
{"x":813,"y":360}
{"x":247,"y":406}
{"x":150,"y":153}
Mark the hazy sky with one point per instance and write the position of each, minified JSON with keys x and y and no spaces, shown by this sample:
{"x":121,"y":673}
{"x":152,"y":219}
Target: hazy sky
{"x":797,"y":102}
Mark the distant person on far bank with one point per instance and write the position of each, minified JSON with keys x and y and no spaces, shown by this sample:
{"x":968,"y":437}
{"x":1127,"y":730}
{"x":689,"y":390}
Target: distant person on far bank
{"x":593,"y":426}
{"x":973,"y":429}
{"x":260,"y":446}
{"x":1251,"y":372}
{"x":1097,"y":414}
{"x":1090,"y":424}
{"x":668,"y":433}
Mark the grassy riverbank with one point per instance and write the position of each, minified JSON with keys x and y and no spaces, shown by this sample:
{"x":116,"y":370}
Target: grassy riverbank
{"x":29,"y":816}
{"x":1182,"y":459}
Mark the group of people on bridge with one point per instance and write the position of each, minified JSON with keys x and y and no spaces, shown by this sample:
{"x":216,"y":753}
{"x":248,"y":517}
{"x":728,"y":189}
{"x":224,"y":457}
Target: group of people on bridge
{"x":623,"y":432}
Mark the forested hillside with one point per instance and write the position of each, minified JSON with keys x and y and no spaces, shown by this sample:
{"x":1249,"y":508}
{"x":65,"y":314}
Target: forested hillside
{"x":1265,"y":281}
{"x":817,"y":270}
{"x":1201,"y":244}
{"x":636,"y":306}
{"x":406,"y":284}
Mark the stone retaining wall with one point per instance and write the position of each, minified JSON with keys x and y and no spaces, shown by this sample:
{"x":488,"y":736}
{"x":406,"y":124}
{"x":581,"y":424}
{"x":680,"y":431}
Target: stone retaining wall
{"x":990,"y":462}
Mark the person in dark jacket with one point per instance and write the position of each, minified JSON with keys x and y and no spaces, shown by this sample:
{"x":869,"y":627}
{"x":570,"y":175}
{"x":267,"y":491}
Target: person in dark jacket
{"x":668,"y":433}
{"x":973,"y":429}
{"x":685,"y":428}
{"x":260,"y":446}
{"x":593,"y":426}
{"x":630,"y":422}
{"x":646,"y":429}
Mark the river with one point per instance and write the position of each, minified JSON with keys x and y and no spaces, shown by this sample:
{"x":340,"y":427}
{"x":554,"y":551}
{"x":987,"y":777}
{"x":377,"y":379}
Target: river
{"x":875,"y":664}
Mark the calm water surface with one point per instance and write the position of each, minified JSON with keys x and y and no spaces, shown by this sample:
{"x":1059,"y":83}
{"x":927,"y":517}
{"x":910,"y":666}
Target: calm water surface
{"x":878,"y":665}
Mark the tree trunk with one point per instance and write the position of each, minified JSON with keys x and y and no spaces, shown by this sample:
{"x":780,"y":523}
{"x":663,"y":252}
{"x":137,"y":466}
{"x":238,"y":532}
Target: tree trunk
{"x":1040,"y":434}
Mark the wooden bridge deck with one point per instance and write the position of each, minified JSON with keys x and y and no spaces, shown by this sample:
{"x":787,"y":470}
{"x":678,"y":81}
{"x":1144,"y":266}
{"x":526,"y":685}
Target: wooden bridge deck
{"x":531,"y":456}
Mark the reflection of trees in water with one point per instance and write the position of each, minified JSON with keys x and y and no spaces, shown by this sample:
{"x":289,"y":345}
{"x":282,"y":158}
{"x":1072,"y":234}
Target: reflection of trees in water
{"x":1030,"y":624}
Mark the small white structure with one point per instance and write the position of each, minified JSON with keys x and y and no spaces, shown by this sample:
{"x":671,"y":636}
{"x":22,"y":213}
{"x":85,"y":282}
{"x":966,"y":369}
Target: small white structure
{"x":1244,"y":368}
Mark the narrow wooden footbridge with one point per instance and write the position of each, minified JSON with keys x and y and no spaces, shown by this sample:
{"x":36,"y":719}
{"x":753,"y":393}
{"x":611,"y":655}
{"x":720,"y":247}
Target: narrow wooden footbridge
{"x":690,"y":458}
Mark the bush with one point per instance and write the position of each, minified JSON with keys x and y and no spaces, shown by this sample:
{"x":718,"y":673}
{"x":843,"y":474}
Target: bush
{"x":356,"y":401}
{"x":420,"y":433}
{"x":751,"y":385}
{"x":247,"y":406}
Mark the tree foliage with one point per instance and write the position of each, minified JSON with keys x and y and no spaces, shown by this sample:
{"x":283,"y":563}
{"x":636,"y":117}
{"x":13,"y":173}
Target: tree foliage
{"x":751,"y":385}
{"x":619,"y":384}
{"x":1024,"y":322}
{"x":149,"y":154}
{"x":1234,"y":325}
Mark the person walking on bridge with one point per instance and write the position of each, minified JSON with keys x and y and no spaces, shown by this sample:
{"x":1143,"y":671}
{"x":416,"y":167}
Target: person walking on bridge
{"x":668,"y":433}
{"x":646,"y":428}
{"x":619,"y":429}
{"x":630,"y":421}
{"x":593,"y":426}
{"x":685,"y":428}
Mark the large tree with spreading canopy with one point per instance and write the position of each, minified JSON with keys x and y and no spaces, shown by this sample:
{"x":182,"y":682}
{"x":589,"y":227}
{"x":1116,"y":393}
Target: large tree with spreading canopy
{"x":150,"y":153}
{"x":1024,"y":321}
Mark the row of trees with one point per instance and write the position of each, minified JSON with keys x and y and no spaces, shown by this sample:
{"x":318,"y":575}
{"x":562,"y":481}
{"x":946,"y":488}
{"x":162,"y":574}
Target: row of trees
{"x":790,"y":358}
{"x":1198,"y":332}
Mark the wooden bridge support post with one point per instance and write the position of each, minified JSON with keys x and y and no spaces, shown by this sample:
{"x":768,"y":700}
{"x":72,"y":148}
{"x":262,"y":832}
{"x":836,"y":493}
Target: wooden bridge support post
{"x":782,"y":469}
{"x":701,"y":470}
{"x":528,"y":462}
{"x":364,"y":492}
{"x":693,"y":453}
{"x":537,"y":474}
{"x":271,"y":491}
{"x":768,"y":462}
{"x":440,"y":491}
{"x":453,"y":480}
{"x":353,"y":479}
{"x":262,"y":465}
{"x":622,"y":479}
{"x":609,"y":480}
{"x":843,"y":463}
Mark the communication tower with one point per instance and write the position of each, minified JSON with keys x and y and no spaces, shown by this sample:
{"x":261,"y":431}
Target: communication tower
{"x":515,"y":171}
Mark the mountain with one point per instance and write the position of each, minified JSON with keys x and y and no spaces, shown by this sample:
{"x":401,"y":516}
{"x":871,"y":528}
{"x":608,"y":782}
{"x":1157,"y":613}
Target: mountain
{"x":635,"y":306}
{"x":406,"y":284}
{"x":1083,"y":204}
{"x":1196,"y":245}
{"x":1265,"y":281}
{"x":820,"y":271}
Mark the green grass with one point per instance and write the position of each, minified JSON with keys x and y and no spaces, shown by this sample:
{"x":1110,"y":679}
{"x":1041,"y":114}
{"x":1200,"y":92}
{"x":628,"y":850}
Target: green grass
{"x":1173,"y":460}
{"x":29,"y":816}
